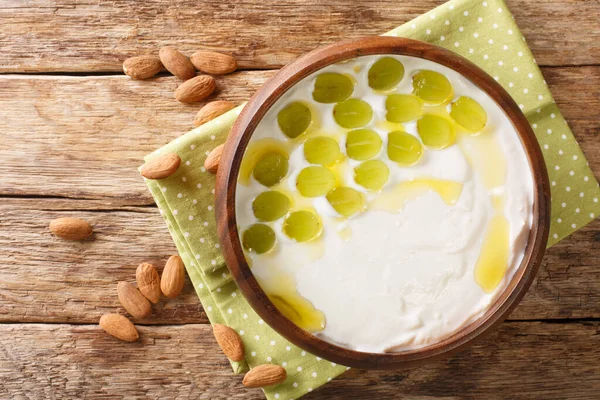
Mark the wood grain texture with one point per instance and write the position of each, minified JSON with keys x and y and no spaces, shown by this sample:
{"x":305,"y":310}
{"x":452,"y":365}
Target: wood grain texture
{"x":69,"y":35}
{"x":61,"y":134}
{"x":520,"y":361}
{"x":45,"y":279}
{"x":84,"y":137}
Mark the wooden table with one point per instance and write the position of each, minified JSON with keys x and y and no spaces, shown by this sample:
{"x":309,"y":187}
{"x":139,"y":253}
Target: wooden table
{"x":73,"y":130}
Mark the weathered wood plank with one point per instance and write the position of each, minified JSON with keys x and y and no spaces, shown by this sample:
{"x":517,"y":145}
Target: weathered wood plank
{"x":84,"y":137}
{"x":69,"y":35}
{"x":520,"y":361}
{"x":44,"y":279}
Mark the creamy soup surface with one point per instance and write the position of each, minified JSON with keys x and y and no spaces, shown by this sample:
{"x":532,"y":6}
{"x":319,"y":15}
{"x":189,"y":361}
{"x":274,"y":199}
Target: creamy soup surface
{"x":384,"y":203}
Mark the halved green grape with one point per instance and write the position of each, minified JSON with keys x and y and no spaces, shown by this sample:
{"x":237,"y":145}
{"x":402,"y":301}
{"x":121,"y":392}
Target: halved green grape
{"x":315,"y":181}
{"x":403,"y":148}
{"x":435,"y":131}
{"x":385,"y":73}
{"x":362,"y":144}
{"x":372,"y":174}
{"x":322,"y":150}
{"x":271,"y":169}
{"x":432,"y":87}
{"x":346,"y":201}
{"x":302,"y":226}
{"x":402,"y":108}
{"x":270,"y":206}
{"x":258,"y":238}
{"x":332,"y":87}
{"x":469,"y":114}
{"x":294,"y":119}
{"x":352,"y":113}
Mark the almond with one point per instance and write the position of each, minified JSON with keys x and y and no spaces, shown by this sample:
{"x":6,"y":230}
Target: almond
{"x":173,"y":277}
{"x":212,"y":110}
{"x":119,"y":326}
{"x":264,"y":375}
{"x":213,"y":159}
{"x":176,"y":63}
{"x":142,"y":67}
{"x":148,"y":282}
{"x":70,"y":228}
{"x":211,"y":62}
{"x":195,"y":89}
{"x":161,"y":167}
{"x":133,"y":300}
{"x":230,"y":342}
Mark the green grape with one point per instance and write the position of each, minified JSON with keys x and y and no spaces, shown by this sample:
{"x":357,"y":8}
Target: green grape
{"x":402,"y":108}
{"x":294,"y":119}
{"x":315,"y":181}
{"x":271,"y":169}
{"x":270,"y":206}
{"x":469,"y":114}
{"x":352,"y":113}
{"x":385,"y":73}
{"x":258,"y":238}
{"x":432,"y":87}
{"x":362,"y":144}
{"x":372,"y":174}
{"x":346,"y":201}
{"x":331,"y":87}
{"x":302,"y":226}
{"x":435,"y":131}
{"x":403,"y":148}
{"x":322,"y":150}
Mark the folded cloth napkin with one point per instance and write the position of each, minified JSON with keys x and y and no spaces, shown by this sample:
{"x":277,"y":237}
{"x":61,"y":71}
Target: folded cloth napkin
{"x":482,"y":31}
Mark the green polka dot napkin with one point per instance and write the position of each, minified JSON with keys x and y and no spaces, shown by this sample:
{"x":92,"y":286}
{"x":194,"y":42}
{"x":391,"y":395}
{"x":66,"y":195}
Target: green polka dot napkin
{"x":482,"y":31}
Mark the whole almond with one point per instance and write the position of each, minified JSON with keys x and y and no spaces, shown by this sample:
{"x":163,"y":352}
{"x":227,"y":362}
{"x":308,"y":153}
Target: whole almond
{"x":70,"y":228}
{"x":213,"y":159}
{"x":173,"y":277}
{"x":212,"y":110}
{"x":177,"y":63}
{"x":148,"y":282}
{"x":119,"y":326}
{"x":211,"y":62}
{"x":264,"y":375}
{"x":230,"y":342}
{"x":161,"y":167}
{"x":195,"y":89}
{"x":142,"y":67}
{"x":133,"y":300}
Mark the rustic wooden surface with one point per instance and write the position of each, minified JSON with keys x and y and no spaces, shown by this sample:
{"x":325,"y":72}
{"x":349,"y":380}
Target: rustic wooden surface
{"x":73,"y":130}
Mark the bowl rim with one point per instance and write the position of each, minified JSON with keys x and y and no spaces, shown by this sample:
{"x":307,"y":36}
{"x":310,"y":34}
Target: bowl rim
{"x":226,"y":184}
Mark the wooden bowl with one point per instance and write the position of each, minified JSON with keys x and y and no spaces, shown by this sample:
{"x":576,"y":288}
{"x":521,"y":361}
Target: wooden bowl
{"x":226,"y":192}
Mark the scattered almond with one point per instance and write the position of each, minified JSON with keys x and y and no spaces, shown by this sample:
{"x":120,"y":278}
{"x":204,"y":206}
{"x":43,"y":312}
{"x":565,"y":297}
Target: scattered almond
{"x":177,"y":63}
{"x":148,"y":282}
{"x":230,"y":342}
{"x":133,"y":300}
{"x":212,"y":110}
{"x":70,"y":228}
{"x":161,"y":166}
{"x":173,"y":277}
{"x":264,"y":375}
{"x":142,"y":67}
{"x":213,"y":159}
{"x":119,"y":326}
{"x":211,"y":62}
{"x":195,"y":89}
